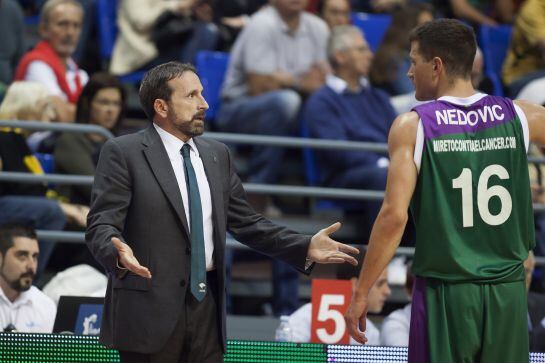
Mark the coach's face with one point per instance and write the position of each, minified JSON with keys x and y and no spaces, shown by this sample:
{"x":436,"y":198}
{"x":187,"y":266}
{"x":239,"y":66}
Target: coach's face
{"x":186,"y":109}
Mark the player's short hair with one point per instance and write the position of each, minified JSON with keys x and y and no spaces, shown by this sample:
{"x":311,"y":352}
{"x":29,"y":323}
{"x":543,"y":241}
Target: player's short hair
{"x":155,"y":84}
{"x":449,"y":39}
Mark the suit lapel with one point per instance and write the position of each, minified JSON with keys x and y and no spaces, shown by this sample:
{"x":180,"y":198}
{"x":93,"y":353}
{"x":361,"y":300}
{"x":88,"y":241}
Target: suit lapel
{"x":161,"y":167}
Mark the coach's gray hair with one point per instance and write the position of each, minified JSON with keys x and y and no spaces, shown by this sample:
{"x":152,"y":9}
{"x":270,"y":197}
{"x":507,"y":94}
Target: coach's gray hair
{"x":341,"y":38}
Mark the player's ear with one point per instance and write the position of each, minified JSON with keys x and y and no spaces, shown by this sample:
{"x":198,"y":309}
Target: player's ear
{"x":437,"y":64}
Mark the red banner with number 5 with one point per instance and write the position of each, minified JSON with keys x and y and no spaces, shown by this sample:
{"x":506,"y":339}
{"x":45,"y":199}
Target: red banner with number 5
{"x":330,"y":300}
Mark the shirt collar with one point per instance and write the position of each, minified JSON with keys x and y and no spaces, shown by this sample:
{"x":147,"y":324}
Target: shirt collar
{"x":340,"y":86}
{"x":173,"y":144}
{"x":463,"y":101}
{"x":23,"y":299}
{"x":301,"y":28}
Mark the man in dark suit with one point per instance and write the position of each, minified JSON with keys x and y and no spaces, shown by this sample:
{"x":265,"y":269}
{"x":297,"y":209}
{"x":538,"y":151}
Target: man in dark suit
{"x":158,"y":223}
{"x":536,"y":309}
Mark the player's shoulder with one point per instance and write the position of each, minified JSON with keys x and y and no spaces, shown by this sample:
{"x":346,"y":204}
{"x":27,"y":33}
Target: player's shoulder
{"x":406,"y":121}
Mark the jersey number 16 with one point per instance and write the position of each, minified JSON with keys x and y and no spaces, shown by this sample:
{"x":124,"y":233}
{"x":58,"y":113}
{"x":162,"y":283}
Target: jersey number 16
{"x":484,"y":193}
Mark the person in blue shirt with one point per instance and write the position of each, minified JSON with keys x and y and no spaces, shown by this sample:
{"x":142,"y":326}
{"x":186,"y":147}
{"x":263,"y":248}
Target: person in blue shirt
{"x":348,"y":108}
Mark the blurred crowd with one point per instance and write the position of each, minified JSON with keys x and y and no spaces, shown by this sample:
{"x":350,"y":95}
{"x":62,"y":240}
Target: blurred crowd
{"x":296,"y":67}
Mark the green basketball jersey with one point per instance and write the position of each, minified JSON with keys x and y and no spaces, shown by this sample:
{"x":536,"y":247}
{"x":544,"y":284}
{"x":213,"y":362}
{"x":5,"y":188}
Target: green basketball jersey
{"x":472,"y":204}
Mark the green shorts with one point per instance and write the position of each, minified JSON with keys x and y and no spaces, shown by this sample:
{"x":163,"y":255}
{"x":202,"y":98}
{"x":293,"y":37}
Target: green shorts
{"x":468,"y":323}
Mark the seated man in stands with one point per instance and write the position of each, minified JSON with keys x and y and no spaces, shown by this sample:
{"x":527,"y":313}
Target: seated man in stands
{"x":279,"y":56}
{"x":23,"y":307}
{"x":50,"y":61}
{"x":348,"y":108}
{"x":300,"y":321}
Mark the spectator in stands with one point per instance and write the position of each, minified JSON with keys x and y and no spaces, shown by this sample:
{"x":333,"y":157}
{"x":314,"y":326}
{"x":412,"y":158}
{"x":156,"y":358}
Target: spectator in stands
{"x":524,"y":67}
{"x":392,"y":62}
{"x":279,"y":56}
{"x":156,"y":31}
{"x":22,"y":201}
{"x":50,"y":61}
{"x":394,"y":330}
{"x":334,"y":12}
{"x":23,"y":307}
{"x":536,"y":309}
{"x":101,"y":103}
{"x":348,"y":108}
{"x":11,"y":39}
{"x":300,"y":320}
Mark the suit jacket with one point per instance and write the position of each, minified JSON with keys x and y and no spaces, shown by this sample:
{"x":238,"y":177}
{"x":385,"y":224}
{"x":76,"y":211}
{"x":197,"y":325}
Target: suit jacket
{"x":136,"y":198}
{"x":536,"y":310}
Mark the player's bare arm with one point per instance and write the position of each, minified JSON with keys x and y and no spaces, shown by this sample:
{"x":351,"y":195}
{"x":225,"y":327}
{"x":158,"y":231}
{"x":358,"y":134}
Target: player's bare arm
{"x":535,"y":114}
{"x":391,"y":220}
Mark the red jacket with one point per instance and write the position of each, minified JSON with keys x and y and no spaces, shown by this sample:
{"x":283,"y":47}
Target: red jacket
{"x":45,"y":53}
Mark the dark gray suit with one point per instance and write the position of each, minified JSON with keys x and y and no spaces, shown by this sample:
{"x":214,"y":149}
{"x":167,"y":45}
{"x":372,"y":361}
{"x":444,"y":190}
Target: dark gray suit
{"x":136,"y":198}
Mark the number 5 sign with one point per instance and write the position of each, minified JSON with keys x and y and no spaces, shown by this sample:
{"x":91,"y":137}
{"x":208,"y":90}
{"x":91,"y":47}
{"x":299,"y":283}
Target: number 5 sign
{"x":330,"y":299}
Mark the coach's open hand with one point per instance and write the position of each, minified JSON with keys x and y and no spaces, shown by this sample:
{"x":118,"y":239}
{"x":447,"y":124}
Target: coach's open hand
{"x":127,"y":259}
{"x":323,"y":249}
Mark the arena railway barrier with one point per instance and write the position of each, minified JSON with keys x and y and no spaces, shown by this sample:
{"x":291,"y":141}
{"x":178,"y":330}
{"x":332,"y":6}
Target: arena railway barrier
{"x":285,"y":190}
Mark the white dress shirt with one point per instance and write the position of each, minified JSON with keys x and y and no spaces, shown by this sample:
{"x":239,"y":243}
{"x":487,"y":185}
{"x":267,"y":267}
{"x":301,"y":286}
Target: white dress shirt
{"x":173,"y":145}
{"x":40,"y":71}
{"x":31,"y":312}
{"x":395,"y":328}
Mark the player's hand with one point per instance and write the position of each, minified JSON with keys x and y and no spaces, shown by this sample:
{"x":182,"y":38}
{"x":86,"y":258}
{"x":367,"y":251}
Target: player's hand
{"x":127,"y":259}
{"x":323,"y":249}
{"x":355,"y":319}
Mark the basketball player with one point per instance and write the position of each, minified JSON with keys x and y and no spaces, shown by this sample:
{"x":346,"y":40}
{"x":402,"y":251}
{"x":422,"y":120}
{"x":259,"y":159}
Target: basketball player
{"x":460,"y":162}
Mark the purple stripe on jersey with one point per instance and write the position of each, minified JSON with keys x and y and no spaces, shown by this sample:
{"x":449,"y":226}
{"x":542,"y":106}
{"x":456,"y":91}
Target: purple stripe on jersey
{"x":418,"y":334}
{"x":441,"y":118}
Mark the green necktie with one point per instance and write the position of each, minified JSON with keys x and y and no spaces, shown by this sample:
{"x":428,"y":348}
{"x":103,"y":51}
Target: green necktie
{"x":198,"y":264}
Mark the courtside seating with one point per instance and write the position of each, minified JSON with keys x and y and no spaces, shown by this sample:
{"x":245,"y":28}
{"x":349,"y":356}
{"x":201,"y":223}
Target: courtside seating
{"x":106,"y":18}
{"x":374,"y":27}
{"x":494,"y":41}
{"x":212,"y":67}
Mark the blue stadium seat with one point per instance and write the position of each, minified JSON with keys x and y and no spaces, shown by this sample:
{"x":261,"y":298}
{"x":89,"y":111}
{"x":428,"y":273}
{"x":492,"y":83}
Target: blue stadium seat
{"x":47,"y":161}
{"x":374,"y":27}
{"x":212,"y":67}
{"x":106,"y":12}
{"x":494,"y":41}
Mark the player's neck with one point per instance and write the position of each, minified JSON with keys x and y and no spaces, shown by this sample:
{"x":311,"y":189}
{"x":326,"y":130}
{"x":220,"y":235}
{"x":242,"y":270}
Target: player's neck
{"x":459,"y":88}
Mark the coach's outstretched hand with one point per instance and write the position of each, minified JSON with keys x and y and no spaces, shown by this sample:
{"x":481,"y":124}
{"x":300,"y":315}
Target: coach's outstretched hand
{"x":323,"y":249}
{"x":127,"y":259}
